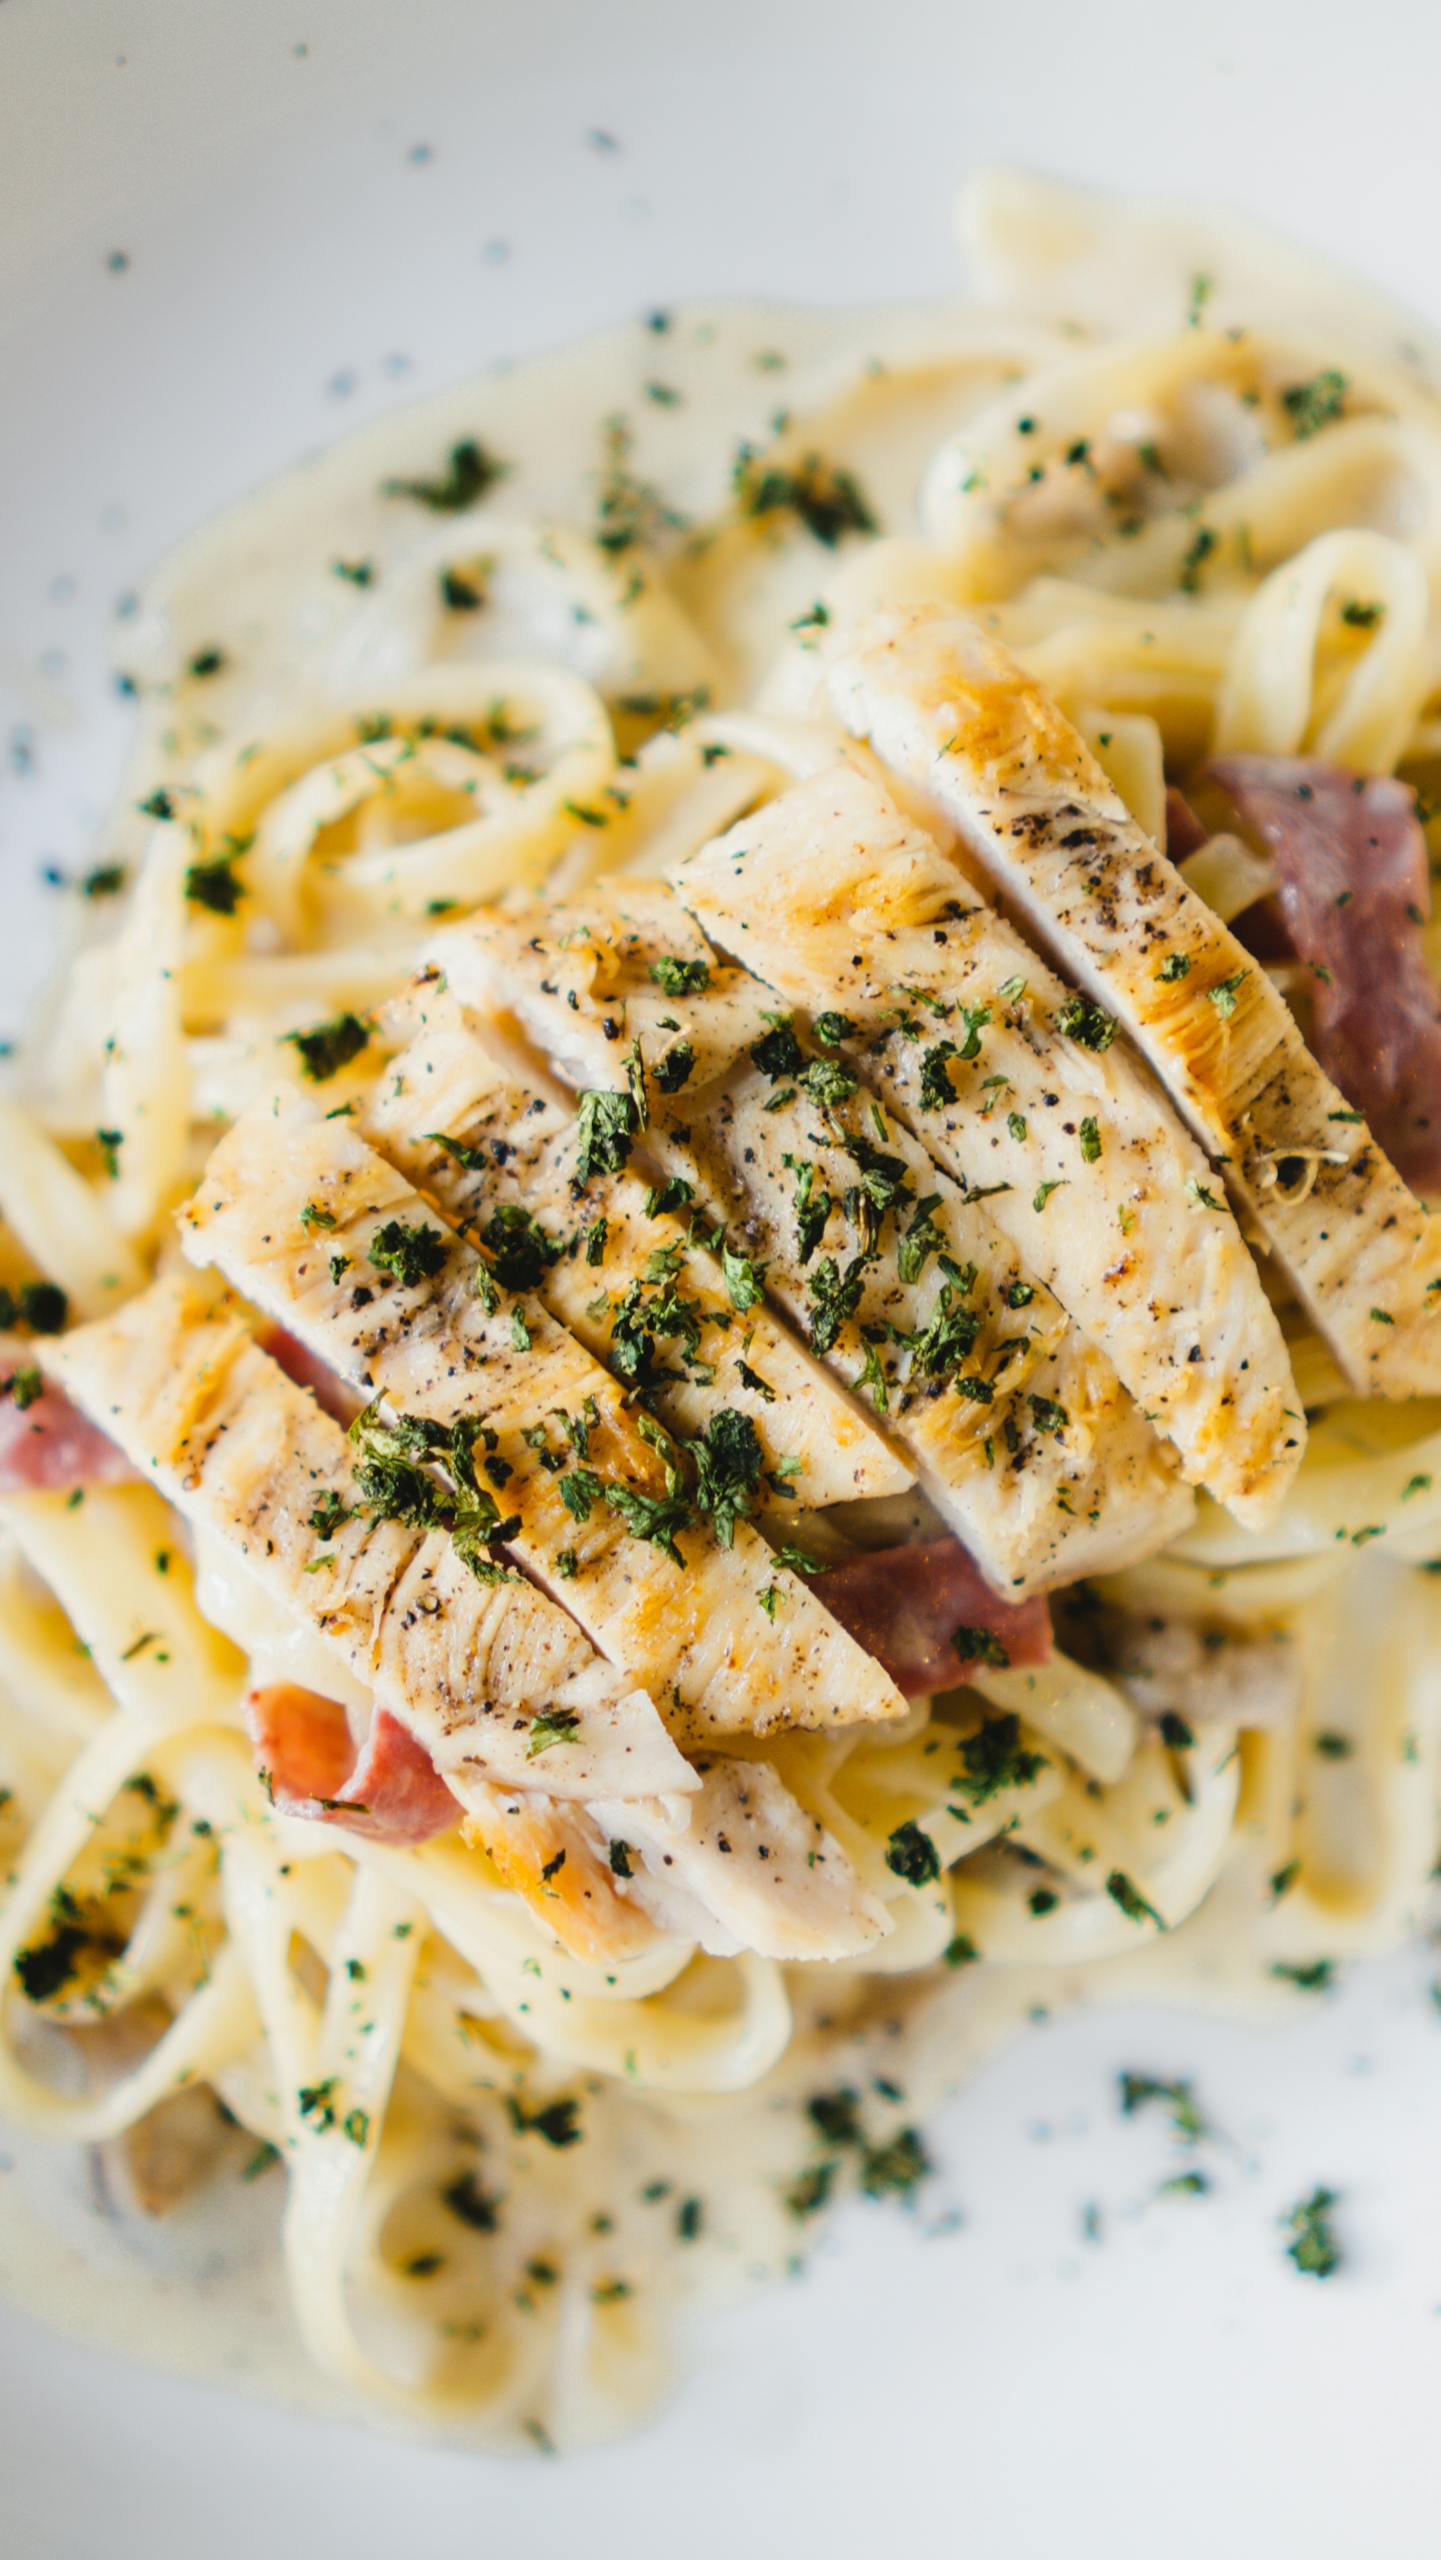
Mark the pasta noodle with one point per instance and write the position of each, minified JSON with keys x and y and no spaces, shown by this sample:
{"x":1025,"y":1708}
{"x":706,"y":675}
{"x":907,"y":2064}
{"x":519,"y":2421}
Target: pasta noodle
{"x":1202,"y":510}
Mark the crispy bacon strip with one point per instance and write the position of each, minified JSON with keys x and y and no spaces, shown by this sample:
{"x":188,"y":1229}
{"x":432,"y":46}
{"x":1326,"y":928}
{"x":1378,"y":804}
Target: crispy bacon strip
{"x":47,"y":1446}
{"x":392,"y":1791}
{"x":925,"y":1611}
{"x":1354,"y":893}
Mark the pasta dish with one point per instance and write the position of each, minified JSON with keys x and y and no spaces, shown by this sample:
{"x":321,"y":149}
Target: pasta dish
{"x":722,"y":1340}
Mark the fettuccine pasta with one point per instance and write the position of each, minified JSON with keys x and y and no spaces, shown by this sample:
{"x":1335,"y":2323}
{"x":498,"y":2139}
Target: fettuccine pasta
{"x":439,"y":740}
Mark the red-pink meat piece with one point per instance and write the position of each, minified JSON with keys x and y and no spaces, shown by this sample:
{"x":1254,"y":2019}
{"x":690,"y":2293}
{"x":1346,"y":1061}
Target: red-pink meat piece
{"x":392,"y":1791}
{"x":1353,"y":887}
{"x":301,"y":1366}
{"x":47,"y":1446}
{"x":1184,"y":831}
{"x":925,"y":1611}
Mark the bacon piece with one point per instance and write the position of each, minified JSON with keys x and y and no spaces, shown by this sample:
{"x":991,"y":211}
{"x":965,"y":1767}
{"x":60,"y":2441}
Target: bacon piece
{"x":391,"y":1791}
{"x":1184,"y":831}
{"x":925,"y":1611}
{"x":304,"y":1369}
{"x":1354,"y":892}
{"x":48,"y":1446}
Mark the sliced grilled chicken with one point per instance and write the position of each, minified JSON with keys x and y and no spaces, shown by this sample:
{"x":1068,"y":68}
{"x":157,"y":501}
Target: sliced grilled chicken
{"x":1021,"y":1433}
{"x":496,"y":1682}
{"x":329,"y":1239}
{"x":954,"y":715}
{"x":751,"y":1860}
{"x":551,"y":1854}
{"x":1015,"y":1086}
{"x":496,"y":1151}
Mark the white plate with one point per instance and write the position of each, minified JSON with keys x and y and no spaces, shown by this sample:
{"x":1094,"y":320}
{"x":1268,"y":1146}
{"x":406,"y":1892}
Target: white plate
{"x":312,"y":196}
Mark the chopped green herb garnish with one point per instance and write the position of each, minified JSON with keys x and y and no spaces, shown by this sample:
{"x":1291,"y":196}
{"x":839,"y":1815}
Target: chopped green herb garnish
{"x":329,"y":1046}
{"x":728,"y":1459}
{"x":409,"y":1253}
{"x":1128,"y":1899}
{"x":558,"y":2123}
{"x":466,"y":2198}
{"x":1081,"y":1019}
{"x":980,"y":1644}
{"x":680,"y":977}
{"x":580,"y":1490}
{"x":39,"y":1304}
{"x":995,"y":1757}
{"x":470,"y":473}
{"x":606,"y":1127}
{"x":1203,"y":542}
{"x":895,"y":2168}
{"x":834,"y":1295}
{"x":662,"y":1200}
{"x":810,"y":2192}
{"x":655,"y":1518}
{"x":520,"y":1249}
{"x":827,"y":500}
{"x":675,"y":1067}
{"x":744,"y":1279}
{"x":937,"y":1092}
{"x":778,"y":1053}
{"x":922,"y":1238}
{"x":1140,"y":2089}
{"x":1312,"y":2247}
{"x":912,"y":1855}
{"x":559,"y":1724}
{"x":1312,"y":405}
{"x":105,"y":881}
{"x":1316,"y":1976}
{"x":44,"y":1971}
{"x":462,"y":594}
{"x":214,"y":885}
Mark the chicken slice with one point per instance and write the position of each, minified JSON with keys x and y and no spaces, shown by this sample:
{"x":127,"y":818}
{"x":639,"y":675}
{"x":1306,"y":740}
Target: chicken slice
{"x":1017,"y":1088}
{"x":751,"y":1861}
{"x":331,"y":1241}
{"x":1020,"y":1431}
{"x":959,"y":721}
{"x":496,"y":1682}
{"x":551,"y":1854}
{"x":495,"y":1151}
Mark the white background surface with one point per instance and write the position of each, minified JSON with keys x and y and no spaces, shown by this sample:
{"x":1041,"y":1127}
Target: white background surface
{"x":296,"y":263}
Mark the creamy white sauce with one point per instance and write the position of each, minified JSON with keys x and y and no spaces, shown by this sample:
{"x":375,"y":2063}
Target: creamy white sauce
{"x":205,"y":2294}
